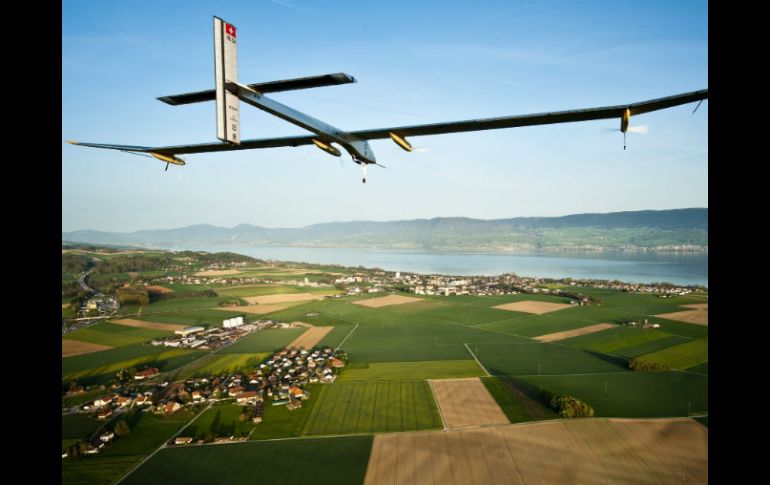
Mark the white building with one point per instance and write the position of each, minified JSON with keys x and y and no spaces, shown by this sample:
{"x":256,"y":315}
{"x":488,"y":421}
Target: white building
{"x":232,"y":322}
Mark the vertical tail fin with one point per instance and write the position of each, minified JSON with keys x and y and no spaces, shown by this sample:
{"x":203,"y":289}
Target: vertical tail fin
{"x":226,"y":71}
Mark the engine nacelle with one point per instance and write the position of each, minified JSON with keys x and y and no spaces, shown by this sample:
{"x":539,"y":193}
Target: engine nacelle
{"x":625,"y":120}
{"x":167,"y":158}
{"x":327,"y":147}
{"x":401,"y":141}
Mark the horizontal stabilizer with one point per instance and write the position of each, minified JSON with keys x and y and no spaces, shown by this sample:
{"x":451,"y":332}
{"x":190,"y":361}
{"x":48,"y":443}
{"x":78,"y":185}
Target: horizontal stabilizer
{"x":268,"y":87}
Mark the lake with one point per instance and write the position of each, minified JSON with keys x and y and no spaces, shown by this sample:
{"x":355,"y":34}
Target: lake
{"x":633,"y":267}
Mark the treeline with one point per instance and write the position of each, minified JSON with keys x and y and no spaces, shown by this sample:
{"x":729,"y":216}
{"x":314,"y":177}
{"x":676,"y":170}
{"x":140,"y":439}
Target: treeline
{"x":74,"y":263}
{"x":158,"y":296}
{"x":134,"y":263}
{"x":217,"y":258}
{"x":568,"y":406}
{"x":133,"y":296}
{"x":70,"y":288}
{"x":641,"y":365}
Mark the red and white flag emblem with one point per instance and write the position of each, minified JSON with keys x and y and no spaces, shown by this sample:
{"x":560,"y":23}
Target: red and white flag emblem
{"x":230,"y":29}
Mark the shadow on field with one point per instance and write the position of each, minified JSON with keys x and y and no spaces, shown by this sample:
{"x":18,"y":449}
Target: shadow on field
{"x":612,"y":359}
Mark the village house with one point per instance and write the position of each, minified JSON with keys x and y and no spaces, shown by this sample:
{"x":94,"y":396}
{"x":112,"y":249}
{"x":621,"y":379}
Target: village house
{"x":247,"y":397}
{"x":183,"y":440}
{"x":104,"y":413}
{"x":147,"y":373}
{"x":104,"y":400}
{"x":234,"y":391}
{"x":171,"y":407}
{"x":107,"y":436}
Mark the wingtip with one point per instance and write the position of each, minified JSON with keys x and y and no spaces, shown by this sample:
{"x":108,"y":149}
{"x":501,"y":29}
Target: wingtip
{"x":73,"y":142}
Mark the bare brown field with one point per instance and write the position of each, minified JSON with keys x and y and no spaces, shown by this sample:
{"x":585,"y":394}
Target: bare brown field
{"x":76,"y":347}
{"x":553,"y":337}
{"x":699,"y":315}
{"x":531,"y":306}
{"x":158,"y":289}
{"x":596,"y":451}
{"x":283,"y":298}
{"x":256,"y":309}
{"x":218,"y":272}
{"x":133,"y":274}
{"x":310,"y":337}
{"x":386,"y":301}
{"x":65,"y":305}
{"x":169,"y":327}
{"x":466,"y":402}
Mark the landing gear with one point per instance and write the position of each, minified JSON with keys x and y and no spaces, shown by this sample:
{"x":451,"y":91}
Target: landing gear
{"x":166,"y":169}
{"x":363,"y":167}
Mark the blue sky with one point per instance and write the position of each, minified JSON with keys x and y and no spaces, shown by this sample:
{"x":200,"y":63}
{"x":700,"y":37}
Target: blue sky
{"x":415,"y":62}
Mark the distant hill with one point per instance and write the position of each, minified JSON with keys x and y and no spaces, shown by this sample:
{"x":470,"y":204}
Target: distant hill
{"x":677,"y":229}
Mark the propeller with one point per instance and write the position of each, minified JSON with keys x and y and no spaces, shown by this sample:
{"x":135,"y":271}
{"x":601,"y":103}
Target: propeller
{"x":641,"y":129}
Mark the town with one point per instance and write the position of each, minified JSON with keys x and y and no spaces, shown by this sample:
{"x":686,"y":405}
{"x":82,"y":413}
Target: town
{"x":280,"y":380}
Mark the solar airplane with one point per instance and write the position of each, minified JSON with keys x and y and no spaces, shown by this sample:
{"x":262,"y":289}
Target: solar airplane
{"x":228,"y":94}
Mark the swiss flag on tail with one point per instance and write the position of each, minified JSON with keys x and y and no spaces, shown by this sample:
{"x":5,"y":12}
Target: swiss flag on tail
{"x":230,"y":29}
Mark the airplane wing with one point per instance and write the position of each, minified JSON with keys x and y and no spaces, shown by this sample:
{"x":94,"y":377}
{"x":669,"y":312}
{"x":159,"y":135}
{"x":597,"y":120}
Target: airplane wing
{"x":268,"y":87}
{"x":589,"y":114}
{"x":289,"y":141}
{"x":536,"y":119}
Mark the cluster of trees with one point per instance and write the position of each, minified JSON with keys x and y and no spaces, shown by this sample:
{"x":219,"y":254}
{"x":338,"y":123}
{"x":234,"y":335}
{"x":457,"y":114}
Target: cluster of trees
{"x":133,"y":296}
{"x":233,"y":302}
{"x":641,"y":365}
{"x":157,"y":296}
{"x":79,"y":449}
{"x":218,"y":258}
{"x":74,"y":263}
{"x":134,"y":262}
{"x":124,"y":375}
{"x":568,"y":406}
{"x":71,"y":288}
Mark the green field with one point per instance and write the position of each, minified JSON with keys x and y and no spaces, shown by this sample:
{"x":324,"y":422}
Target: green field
{"x":633,"y":394}
{"x":453,"y":311}
{"x":148,"y":432}
{"x":336,"y":336}
{"x":221,"y":420}
{"x":610,"y":340}
{"x":398,"y":371}
{"x":642,"y":304}
{"x":543,"y":359}
{"x":95,"y":368}
{"x":280,"y":422}
{"x":681,"y":356}
{"x":517,"y":400}
{"x":115,"y":335}
{"x":204,"y":317}
{"x":367,"y":407}
{"x":186,"y":304}
{"x":231,"y":363}
{"x":341,"y":461}
{"x":568,"y":319}
{"x":651,"y":346}
{"x":690,"y":330}
{"x":700,"y":369}
{"x":267,"y":340}
{"x":78,"y":426}
{"x":259,"y":290}
{"x":80,"y":399}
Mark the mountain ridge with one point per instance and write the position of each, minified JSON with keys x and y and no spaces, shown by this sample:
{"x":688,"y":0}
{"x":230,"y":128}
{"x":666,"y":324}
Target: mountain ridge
{"x":674,"y":229}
